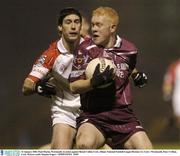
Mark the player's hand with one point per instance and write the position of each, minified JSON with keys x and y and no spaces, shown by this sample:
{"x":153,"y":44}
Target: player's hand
{"x":101,"y":78}
{"x":140,"y":79}
{"x":44,"y":88}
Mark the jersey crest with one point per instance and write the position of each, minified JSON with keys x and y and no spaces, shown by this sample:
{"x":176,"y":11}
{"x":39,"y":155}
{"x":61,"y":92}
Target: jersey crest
{"x":80,"y":60}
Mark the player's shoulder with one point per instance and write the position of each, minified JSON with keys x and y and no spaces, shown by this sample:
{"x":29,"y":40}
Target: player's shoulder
{"x":174,"y":65}
{"x":49,"y":55}
{"x":127,"y":45}
{"x":88,"y":47}
{"x":86,"y":43}
{"x":52,"y":50}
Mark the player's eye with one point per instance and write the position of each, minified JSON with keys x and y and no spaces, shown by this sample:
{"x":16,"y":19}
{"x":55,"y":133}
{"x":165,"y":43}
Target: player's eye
{"x":77,"y":21}
{"x":67,"y":21}
{"x":99,"y":24}
{"x":96,"y":24}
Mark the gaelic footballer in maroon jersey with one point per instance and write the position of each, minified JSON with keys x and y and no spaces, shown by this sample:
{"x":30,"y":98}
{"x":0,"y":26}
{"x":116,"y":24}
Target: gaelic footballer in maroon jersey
{"x":106,"y":112}
{"x":124,"y":58}
{"x":99,"y":104}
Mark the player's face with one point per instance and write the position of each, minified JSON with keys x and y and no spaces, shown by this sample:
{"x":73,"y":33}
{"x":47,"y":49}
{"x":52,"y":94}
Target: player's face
{"x":71,"y":27}
{"x":101,"y":31}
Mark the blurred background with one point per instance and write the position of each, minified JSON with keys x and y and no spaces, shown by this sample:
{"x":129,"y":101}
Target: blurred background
{"x":27,"y":28}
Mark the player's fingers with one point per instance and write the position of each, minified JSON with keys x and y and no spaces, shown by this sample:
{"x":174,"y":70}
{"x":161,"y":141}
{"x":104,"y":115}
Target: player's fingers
{"x":111,"y":74}
{"x":97,"y":69}
{"x":106,"y":71}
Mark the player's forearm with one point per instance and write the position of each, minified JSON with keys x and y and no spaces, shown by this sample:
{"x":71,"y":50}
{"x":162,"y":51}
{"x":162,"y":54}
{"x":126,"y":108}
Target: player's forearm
{"x":28,"y":87}
{"x":134,"y":70}
{"x":60,"y":81}
{"x":167,"y":92}
{"x":80,"y":86}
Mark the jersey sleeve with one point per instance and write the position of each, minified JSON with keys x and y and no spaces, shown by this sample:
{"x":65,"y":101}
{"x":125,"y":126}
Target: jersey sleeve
{"x":43,"y":65}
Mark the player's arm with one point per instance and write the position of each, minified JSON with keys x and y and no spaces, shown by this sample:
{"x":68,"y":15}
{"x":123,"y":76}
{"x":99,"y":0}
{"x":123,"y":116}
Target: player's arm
{"x":42,"y":87}
{"x":98,"y":79}
{"x":167,"y":86}
{"x":167,"y":91}
{"x":38,"y":81}
{"x":81,"y":86}
{"x":28,"y":86}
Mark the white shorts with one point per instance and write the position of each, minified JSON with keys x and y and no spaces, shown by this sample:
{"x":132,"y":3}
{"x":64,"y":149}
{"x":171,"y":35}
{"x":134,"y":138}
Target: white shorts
{"x":65,"y":109}
{"x":64,"y":115}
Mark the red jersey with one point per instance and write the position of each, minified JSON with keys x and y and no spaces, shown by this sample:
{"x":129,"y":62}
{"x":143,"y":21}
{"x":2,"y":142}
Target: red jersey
{"x":56,"y":59}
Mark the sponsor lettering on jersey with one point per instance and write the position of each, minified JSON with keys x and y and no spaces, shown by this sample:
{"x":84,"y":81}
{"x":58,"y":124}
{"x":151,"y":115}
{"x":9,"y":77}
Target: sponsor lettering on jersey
{"x":41,"y":60}
{"x":124,"y":66}
{"x":38,"y":70}
{"x":120,"y":69}
{"x":120,"y":74}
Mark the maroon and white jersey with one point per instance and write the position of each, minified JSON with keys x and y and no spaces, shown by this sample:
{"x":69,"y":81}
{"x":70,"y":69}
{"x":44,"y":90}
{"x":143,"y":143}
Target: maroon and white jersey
{"x":124,"y":56}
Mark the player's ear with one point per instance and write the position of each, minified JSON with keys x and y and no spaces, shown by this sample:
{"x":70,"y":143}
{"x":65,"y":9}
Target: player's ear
{"x":113,"y":28}
{"x":59,"y":29}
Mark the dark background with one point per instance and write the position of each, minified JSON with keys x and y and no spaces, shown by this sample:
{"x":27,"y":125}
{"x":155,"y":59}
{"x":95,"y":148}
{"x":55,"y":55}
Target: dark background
{"x":28,"y":26}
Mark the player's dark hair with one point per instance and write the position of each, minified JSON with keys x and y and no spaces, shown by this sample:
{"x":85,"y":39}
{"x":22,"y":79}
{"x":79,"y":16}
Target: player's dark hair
{"x":68,"y":11}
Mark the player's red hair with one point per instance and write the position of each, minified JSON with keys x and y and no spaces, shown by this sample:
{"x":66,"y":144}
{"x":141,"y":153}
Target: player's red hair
{"x":109,"y":13}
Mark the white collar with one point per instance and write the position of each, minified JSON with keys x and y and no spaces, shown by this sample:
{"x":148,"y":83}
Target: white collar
{"x":117,"y":44}
{"x":118,"y":41}
{"x":61,"y":47}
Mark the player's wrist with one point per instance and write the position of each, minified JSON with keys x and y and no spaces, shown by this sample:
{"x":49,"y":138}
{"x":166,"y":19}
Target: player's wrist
{"x":44,"y":88}
{"x":135,"y":75}
{"x":34,"y":87}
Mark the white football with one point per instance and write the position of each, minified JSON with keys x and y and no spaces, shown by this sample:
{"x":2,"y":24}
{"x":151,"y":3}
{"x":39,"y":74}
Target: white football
{"x":104,"y":62}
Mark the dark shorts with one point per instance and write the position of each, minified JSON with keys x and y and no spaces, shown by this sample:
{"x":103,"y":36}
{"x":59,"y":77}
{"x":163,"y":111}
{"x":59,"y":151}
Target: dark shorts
{"x":117,"y":124}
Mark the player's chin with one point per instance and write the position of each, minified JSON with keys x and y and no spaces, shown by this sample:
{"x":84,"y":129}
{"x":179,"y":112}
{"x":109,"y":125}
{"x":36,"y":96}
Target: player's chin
{"x":73,"y":38}
{"x":97,"y":41}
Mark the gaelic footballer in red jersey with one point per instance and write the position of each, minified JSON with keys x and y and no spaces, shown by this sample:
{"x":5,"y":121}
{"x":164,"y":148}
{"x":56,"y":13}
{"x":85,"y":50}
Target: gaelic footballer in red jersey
{"x":58,"y":60}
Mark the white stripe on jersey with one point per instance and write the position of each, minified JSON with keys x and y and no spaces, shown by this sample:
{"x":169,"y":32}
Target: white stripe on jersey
{"x":127,"y":53}
{"x":91,"y":46}
{"x":39,"y":71}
